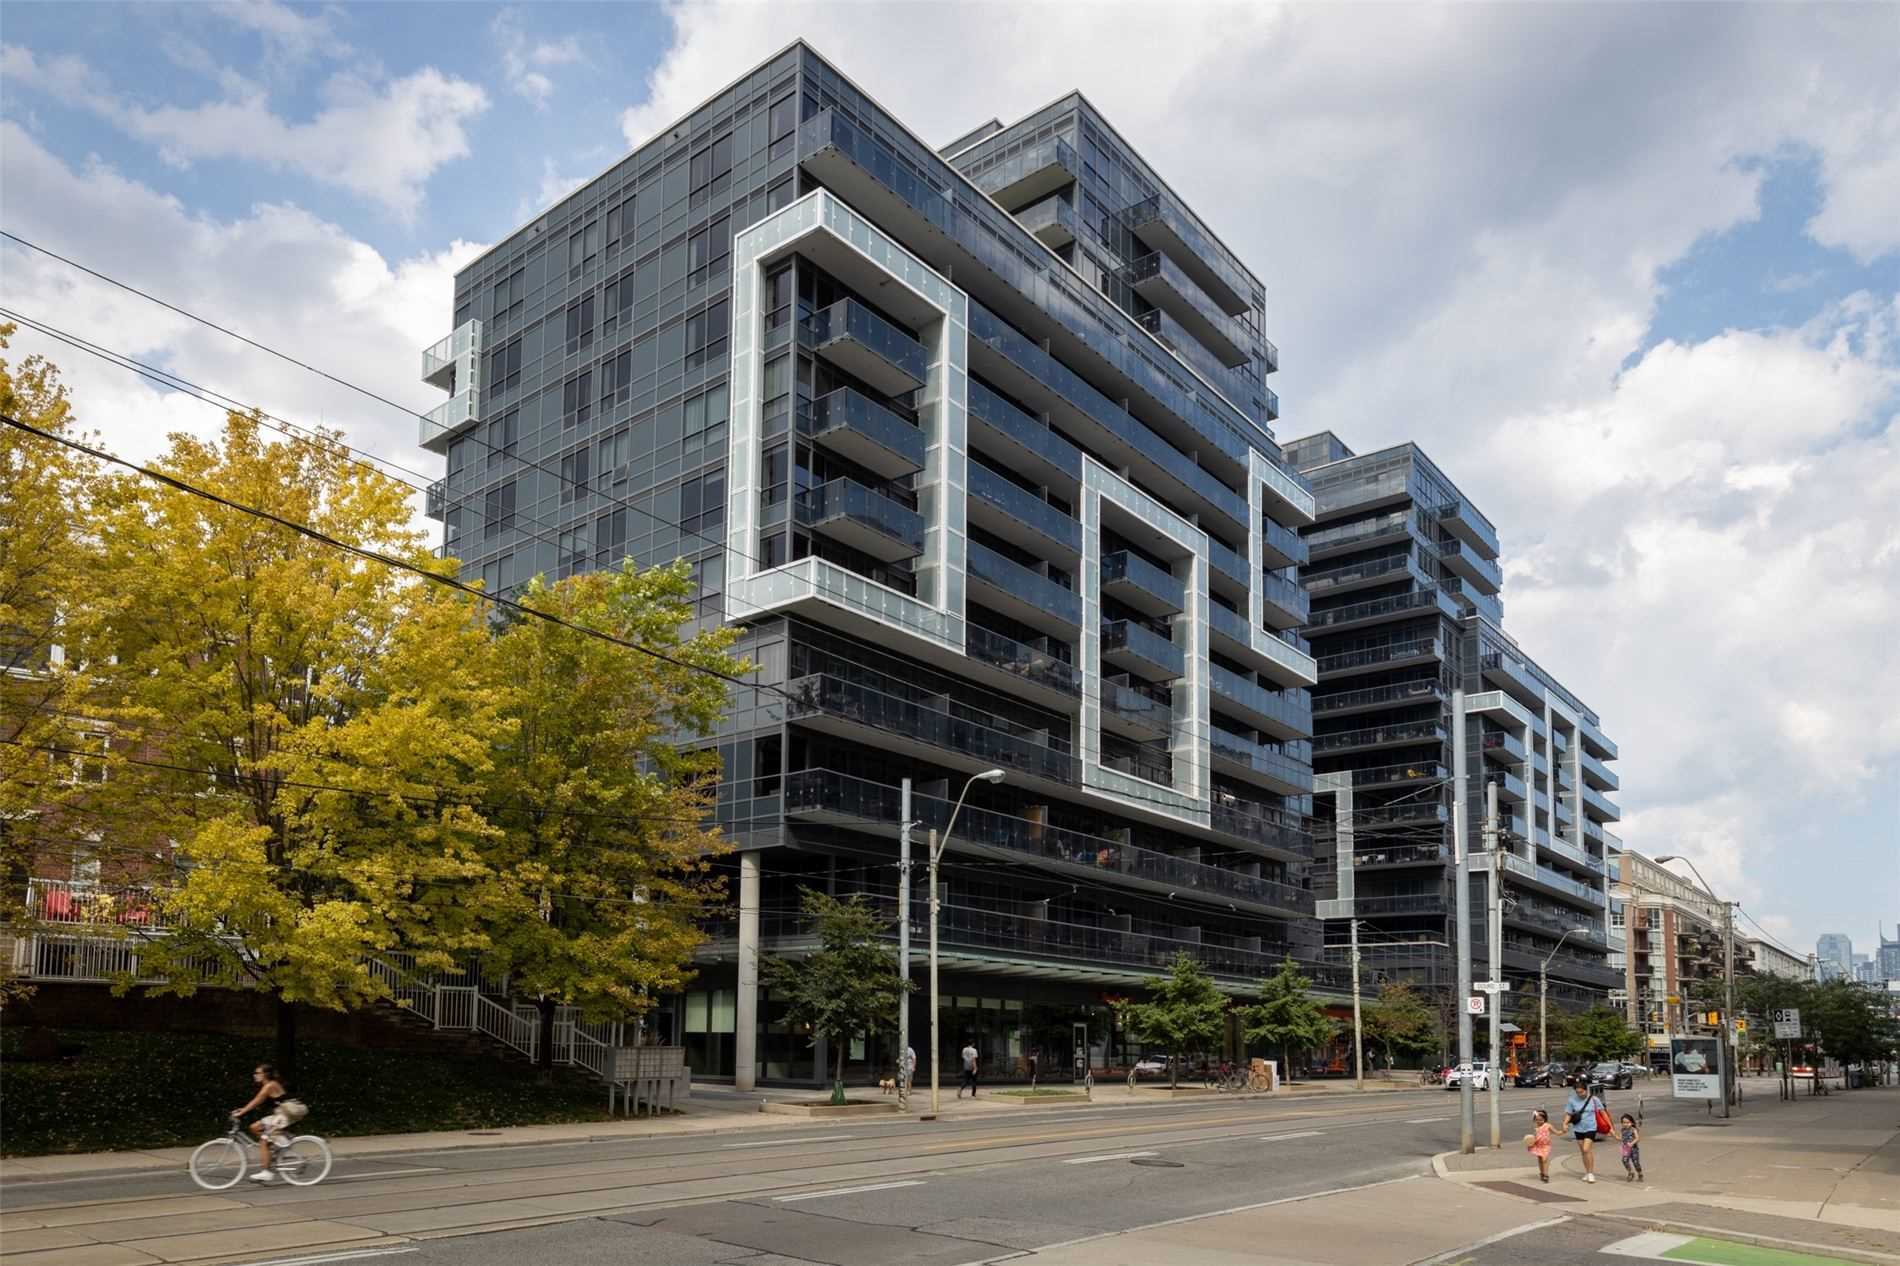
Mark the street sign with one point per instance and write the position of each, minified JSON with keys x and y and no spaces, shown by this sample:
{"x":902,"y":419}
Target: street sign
{"x":1695,"y":1067}
{"x":1787,"y":1022}
{"x":1493,"y":986}
{"x":1475,"y":1004}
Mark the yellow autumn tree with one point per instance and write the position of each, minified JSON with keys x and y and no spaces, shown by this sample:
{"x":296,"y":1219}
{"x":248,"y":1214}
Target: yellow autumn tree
{"x":313,"y":729}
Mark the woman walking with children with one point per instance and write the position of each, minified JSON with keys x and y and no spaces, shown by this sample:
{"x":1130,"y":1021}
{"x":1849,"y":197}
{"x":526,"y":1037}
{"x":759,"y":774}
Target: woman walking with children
{"x":1586,"y":1120}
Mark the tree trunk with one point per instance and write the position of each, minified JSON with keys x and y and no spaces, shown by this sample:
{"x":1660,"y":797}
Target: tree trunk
{"x":286,"y":1060}
{"x":544,"y":1048}
{"x":1174,"y":1070}
{"x":837,"y":1081}
{"x":1286,"y":1057}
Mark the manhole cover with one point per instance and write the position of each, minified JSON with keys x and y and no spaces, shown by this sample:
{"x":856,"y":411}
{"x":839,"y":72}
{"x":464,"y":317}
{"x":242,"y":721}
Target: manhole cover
{"x":1153,"y":1163}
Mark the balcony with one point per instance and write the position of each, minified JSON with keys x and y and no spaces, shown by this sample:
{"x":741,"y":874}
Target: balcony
{"x":1263,"y":828}
{"x":1269,"y":357}
{"x":1022,"y":443}
{"x":1410,"y":774}
{"x":1285,"y":604}
{"x":1404,"y":813}
{"x":1402,"y":694}
{"x":1167,"y":227}
{"x":1259,"y":763}
{"x":1281,"y":546}
{"x":855,"y":428}
{"x":1137,"y":711}
{"x":1598,"y":806}
{"x":1283,"y":714}
{"x":1022,"y":518}
{"x":1595,"y":773}
{"x":1141,"y":650}
{"x":448,"y":419}
{"x":1228,"y":566}
{"x":1411,"y":903}
{"x":1142,"y":585}
{"x":1595,"y":742}
{"x":1463,"y":560}
{"x":1052,"y":221}
{"x":1025,"y":663}
{"x":1361,"y":615}
{"x":1463,"y":521}
{"x":869,"y":522}
{"x":1364,"y":574}
{"x":1377,"y":856}
{"x":1377,"y":658}
{"x":1022,"y":594}
{"x":447,"y":364}
{"x":869,"y":348}
{"x":824,"y":795}
{"x":1503,"y":669}
{"x":1346,"y":538}
{"x":1030,"y":174}
{"x":1271,"y":400}
{"x":836,"y":705}
{"x":1511,"y":788}
{"x":1546,"y":879}
{"x":1162,"y":282}
{"x":435,"y":500}
{"x":1507,"y":749}
{"x":1399,"y":734}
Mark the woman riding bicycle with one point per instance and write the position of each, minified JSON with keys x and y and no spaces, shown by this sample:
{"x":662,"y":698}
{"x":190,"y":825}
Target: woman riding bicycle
{"x":283,"y":1112}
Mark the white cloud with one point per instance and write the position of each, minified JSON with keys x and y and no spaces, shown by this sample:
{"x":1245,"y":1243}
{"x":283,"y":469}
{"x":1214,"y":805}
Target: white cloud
{"x":288,"y":35}
{"x":524,"y":61}
{"x":379,"y":140}
{"x":278,"y":275}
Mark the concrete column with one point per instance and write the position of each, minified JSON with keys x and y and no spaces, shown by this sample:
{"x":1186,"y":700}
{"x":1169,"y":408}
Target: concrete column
{"x":746,"y":1039}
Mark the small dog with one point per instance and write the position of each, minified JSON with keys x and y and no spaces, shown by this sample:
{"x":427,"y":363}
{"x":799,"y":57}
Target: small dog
{"x":887,"y":1085}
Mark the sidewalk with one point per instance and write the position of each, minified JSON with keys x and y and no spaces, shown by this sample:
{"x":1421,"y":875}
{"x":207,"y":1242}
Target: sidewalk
{"x":1830,"y":1163}
{"x":712,"y":1109}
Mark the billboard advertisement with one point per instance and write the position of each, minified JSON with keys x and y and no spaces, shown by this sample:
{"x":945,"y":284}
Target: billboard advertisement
{"x":1695,"y":1067}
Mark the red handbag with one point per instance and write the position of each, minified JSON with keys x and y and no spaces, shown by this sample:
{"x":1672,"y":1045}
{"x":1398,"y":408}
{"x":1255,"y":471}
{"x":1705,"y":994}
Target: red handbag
{"x":1603,"y":1118}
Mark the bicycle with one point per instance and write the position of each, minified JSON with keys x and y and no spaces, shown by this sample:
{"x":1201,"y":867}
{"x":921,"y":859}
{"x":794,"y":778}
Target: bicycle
{"x":303,"y":1160}
{"x":1225,"y":1077}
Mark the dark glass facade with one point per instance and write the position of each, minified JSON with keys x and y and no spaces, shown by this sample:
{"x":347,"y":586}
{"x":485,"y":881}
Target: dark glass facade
{"x":976,"y":445}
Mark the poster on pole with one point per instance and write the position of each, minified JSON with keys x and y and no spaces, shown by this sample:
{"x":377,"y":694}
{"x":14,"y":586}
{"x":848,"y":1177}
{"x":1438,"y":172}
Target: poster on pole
{"x":1695,"y":1067}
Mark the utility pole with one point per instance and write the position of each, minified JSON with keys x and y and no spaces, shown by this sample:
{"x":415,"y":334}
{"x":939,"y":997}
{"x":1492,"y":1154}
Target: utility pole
{"x":1462,"y":900}
{"x":936,"y":1043}
{"x":904,"y":1069}
{"x":1495,"y":934}
{"x":1358,"y":1039}
{"x":1730,"y":1085}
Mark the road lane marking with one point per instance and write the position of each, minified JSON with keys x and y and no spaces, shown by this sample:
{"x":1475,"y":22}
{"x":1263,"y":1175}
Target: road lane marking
{"x":389,"y":1173}
{"x":1112,"y":1156}
{"x":822,"y":1138}
{"x":1500,"y":1237}
{"x":1301,"y":1134}
{"x":350,"y":1256}
{"x":1649,"y":1244}
{"x":1426,"y":1120}
{"x":848,"y":1191}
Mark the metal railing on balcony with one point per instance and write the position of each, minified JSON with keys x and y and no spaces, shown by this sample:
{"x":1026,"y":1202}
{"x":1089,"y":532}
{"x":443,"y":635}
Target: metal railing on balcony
{"x":1024,"y":661}
{"x":867,"y":520}
{"x":1400,"y":694}
{"x":1408,"y":732}
{"x":1054,"y":601}
{"x":1375,"y":656}
{"x":1287,"y":603}
{"x":1141,"y":584}
{"x":1025,"y":508}
{"x":1290,"y":775}
{"x":1029,"y":751}
{"x":1382,"y":608}
{"x":1026,"y":435}
{"x":850,"y":324}
{"x":1127,"y":639}
{"x":864,"y":431}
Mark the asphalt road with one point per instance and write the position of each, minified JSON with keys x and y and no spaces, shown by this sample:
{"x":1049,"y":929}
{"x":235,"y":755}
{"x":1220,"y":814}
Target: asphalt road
{"x":839,"y":1194}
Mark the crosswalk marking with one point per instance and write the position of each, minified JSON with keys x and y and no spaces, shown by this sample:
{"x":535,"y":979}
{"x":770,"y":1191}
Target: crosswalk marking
{"x":1112,"y":1156}
{"x":1300,"y":1134}
{"x":848,"y":1191}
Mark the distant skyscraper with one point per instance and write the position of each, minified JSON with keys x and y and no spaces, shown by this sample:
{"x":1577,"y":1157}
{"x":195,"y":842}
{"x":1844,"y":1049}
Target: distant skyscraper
{"x":1836,"y":954}
{"x":1887,"y":961}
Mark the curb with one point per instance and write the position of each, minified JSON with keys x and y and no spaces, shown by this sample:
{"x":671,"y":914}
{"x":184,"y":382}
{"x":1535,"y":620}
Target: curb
{"x":1851,"y":1252}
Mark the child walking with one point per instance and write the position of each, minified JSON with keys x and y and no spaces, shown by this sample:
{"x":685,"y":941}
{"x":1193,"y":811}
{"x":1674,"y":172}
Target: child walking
{"x":1538,"y":1143}
{"x":1632,"y":1148}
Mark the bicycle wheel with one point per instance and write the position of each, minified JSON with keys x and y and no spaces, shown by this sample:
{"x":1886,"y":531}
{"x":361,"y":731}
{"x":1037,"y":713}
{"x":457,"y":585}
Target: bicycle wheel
{"x":304,"y":1161}
{"x":218,"y":1164}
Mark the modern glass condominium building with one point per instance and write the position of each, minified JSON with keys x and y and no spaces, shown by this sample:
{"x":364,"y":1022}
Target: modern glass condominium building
{"x":975,"y":444}
{"x":1404,"y":579}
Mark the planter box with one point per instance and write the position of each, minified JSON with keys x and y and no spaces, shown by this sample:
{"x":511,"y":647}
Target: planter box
{"x":1184,"y":1092}
{"x":856,"y":1108}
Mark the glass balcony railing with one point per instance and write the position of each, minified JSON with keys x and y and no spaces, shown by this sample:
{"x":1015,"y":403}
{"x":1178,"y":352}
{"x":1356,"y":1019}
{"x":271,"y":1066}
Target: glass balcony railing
{"x":1029,"y":438}
{"x":1343,"y":536}
{"x":1229,"y":624}
{"x":1141,"y":584}
{"x":1270,"y":356}
{"x":446,"y":419}
{"x":1411,"y":903}
{"x":1400,"y":855}
{"x":1367,"y":572}
{"x":866,"y":520}
{"x":1271,"y":400}
{"x":1412,"y":732}
{"x":1601,"y":775}
{"x":1229,"y":563}
{"x":1404,"y":813}
{"x":1052,"y":220}
{"x":1291,"y":709}
{"x":1166,"y":225}
{"x":1026,"y":662}
{"x":435,"y":500}
{"x":1050,"y":162}
{"x":1503,"y":747}
{"x":1284,"y":546}
{"x":849,"y":324}
{"x":1373,"y":657}
{"x":866,"y":432}
{"x":822,"y":693}
{"x":1413,"y":773}
{"x":1149,"y":707}
{"x":1599,"y":805}
{"x":1468,"y":562}
{"x":1293,"y":776}
{"x":1534,"y":873}
{"x":1164,"y":283}
{"x":1401,"y":694}
{"x":452,"y":355}
{"x":1286,"y":597}
{"x":1025,"y":507}
{"x":1464,"y":521}
{"x":1125,"y":640}
{"x":826,"y":792}
{"x":1023,"y":585}
{"x":1265,"y":825}
{"x":1382,"y":608}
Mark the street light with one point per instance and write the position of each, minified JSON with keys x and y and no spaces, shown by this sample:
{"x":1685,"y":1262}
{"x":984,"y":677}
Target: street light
{"x":1728,"y":977}
{"x":1543,"y":986}
{"x":937,"y":845}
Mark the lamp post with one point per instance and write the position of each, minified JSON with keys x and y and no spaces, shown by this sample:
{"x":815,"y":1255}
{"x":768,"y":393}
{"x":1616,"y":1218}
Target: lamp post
{"x":1728,"y":978}
{"x":937,"y":844}
{"x":1543,"y":986}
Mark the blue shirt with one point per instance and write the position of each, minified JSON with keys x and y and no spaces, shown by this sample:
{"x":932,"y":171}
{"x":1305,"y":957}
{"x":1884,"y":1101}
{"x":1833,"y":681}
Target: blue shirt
{"x":1584,"y":1111}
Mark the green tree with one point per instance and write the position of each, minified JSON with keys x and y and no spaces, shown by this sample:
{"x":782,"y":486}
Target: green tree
{"x":1600,"y":1034}
{"x":601,"y":866}
{"x":1287,"y":1016}
{"x":849,"y":985}
{"x":1556,"y":1022}
{"x":1852,"y":1022}
{"x":249,"y":663}
{"x":1399,"y":1022}
{"x":1184,"y":1013}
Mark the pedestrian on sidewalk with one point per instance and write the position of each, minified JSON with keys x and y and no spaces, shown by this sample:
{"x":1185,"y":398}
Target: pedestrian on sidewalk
{"x":1033,"y":1060}
{"x":1537,"y":1143}
{"x":969,"y":1070}
{"x":1584,"y":1113}
{"x":1632,"y":1139}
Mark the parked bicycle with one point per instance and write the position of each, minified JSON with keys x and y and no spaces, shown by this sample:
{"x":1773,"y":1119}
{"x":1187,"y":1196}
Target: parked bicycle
{"x":303,"y":1160}
{"x":1225,"y":1077}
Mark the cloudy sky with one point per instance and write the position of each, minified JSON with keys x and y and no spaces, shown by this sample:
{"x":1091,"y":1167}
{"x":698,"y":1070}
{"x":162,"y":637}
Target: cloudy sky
{"x":1631,"y":274}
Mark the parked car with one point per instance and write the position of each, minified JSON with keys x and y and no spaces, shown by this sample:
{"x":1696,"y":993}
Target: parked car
{"x":1611,"y":1075}
{"x":1532,"y":1075}
{"x":1478,"y":1070}
{"x":1635,"y":1070}
{"x":1150,"y":1066}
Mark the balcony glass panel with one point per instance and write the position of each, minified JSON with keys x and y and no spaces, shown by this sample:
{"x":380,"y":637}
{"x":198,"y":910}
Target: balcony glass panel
{"x":1377,"y":655}
{"x":1381,"y":735}
{"x":1215,"y":271}
{"x":850,"y":322}
{"x":1416,"y":772}
{"x":1463,"y":519}
{"x":1292,"y":709}
{"x":1366,"y":572}
{"x":865,"y":705}
{"x":992,"y":568}
{"x":1399,"y":695}
{"x":1227,"y":562}
{"x":1140,"y":582}
{"x":1503,"y":747}
{"x":1024,"y":661}
{"x":1162,"y":282}
{"x":1400,"y":855}
{"x":1266,"y":825}
{"x":1052,"y":220}
{"x":1284,"y":596}
{"x":1382,"y":608}
{"x":1262,"y":758}
{"x":1414,"y":903}
{"x":1147,"y":706}
{"x":1035,"y":170}
{"x":1036,"y":441}
{"x":1353,"y":535}
{"x":1284,"y":546}
{"x":1126,"y":638}
{"x":867,"y":520}
{"x":864,"y":431}
{"x":1025,"y":507}
{"x":1229,"y":624}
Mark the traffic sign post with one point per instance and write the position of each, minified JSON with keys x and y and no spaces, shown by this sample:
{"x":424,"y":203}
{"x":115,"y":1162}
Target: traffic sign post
{"x":1474,"y":1005}
{"x":1787,"y":1023}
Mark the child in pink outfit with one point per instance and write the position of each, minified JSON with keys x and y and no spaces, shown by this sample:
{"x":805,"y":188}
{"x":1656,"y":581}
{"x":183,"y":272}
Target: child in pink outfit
{"x":1538,"y":1143}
